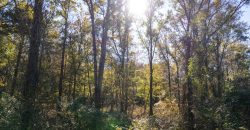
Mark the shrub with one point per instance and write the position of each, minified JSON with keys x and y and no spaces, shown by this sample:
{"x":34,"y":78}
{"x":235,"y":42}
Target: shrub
{"x":9,"y":112}
{"x":88,"y":118}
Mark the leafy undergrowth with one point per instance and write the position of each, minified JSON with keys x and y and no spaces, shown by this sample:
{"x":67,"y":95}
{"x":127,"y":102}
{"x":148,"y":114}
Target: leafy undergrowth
{"x":88,"y":118}
{"x":75,"y":116}
{"x":93,"y":120}
{"x":79,"y":116}
{"x":9,"y":112}
{"x":166,"y":116}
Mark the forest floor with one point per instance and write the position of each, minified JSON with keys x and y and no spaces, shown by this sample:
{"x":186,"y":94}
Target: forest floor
{"x":166,"y":116}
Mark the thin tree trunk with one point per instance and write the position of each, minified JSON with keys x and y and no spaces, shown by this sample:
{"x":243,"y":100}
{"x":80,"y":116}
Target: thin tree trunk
{"x":151,"y":89}
{"x":219,"y":58}
{"x":19,"y":55}
{"x":150,"y":67}
{"x":62,"y":73}
{"x":178,"y":85}
{"x":75,"y":80}
{"x":93,"y":31}
{"x":84,"y":90}
{"x":144,"y":94}
{"x":60,"y":87}
{"x":169,"y":76}
{"x":126,"y":83}
{"x":102,"y":58}
{"x":74,"y":86}
{"x":90,"y":93}
{"x":112,"y":101}
{"x":126,"y":49}
{"x":206,"y":71}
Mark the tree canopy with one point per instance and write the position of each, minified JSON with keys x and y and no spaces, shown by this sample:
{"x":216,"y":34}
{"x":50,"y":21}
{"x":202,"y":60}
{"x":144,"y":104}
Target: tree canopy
{"x":124,"y":64}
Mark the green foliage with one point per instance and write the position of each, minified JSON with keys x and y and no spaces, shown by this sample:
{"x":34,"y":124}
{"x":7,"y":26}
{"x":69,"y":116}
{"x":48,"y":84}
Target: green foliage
{"x":77,"y":104}
{"x":238,"y":102}
{"x":9,"y":112}
{"x":210,"y":115}
{"x":229,"y":112}
{"x":88,"y":118}
{"x":7,"y":55}
{"x":166,"y":117}
{"x":218,"y":63}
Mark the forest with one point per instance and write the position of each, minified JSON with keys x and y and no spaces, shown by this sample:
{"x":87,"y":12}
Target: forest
{"x":124,"y":65}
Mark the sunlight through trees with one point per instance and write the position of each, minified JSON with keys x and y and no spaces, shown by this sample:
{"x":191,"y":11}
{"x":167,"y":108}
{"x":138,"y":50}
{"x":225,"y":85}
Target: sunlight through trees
{"x":124,"y":64}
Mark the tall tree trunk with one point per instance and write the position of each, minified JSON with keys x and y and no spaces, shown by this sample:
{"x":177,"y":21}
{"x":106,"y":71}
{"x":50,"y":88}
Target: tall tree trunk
{"x":169,"y":76}
{"x":19,"y":55}
{"x":112,"y":101}
{"x":126,"y":50}
{"x":218,"y":68}
{"x":189,"y":87}
{"x":121,"y":67}
{"x":93,"y":31}
{"x":74,"y":86}
{"x":84,"y":90}
{"x":121,"y":93}
{"x":75,"y":80}
{"x":206,"y":69}
{"x":62,"y":72}
{"x":102,"y":57}
{"x":126,"y":78}
{"x":144,"y":94}
{"x":90,"y":93}
{"x":178,"y":85}
{"x":122,"y":81}
{"x":150,"y":66}
{"x":151,"y":88}
{"x":40,"y":60}
{"x":31,"y":81}
{"x":60,"y":86}
{"x":69,"y":91}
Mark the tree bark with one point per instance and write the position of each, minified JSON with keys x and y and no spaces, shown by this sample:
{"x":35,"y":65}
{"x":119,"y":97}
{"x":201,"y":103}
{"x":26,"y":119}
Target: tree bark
{"x":178,"y":85}
{"x":169,"y":76}
{"x":74,"y":86}
{"x":31,"y":80}
{"x":19,"y":55}
{"x":126,"y":50}
{"x":90,"y":93}
{"x":150,"y":67}
{"x":75,"y":80}
{"x":65,"y":31}
{"x":98,"y":89}
{"x":189,"y":87}
{"x":218,"y":68}
{"x":94,"y":49}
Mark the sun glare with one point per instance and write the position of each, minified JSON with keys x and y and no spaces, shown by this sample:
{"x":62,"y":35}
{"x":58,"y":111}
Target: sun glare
{"x":137,"y":7}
